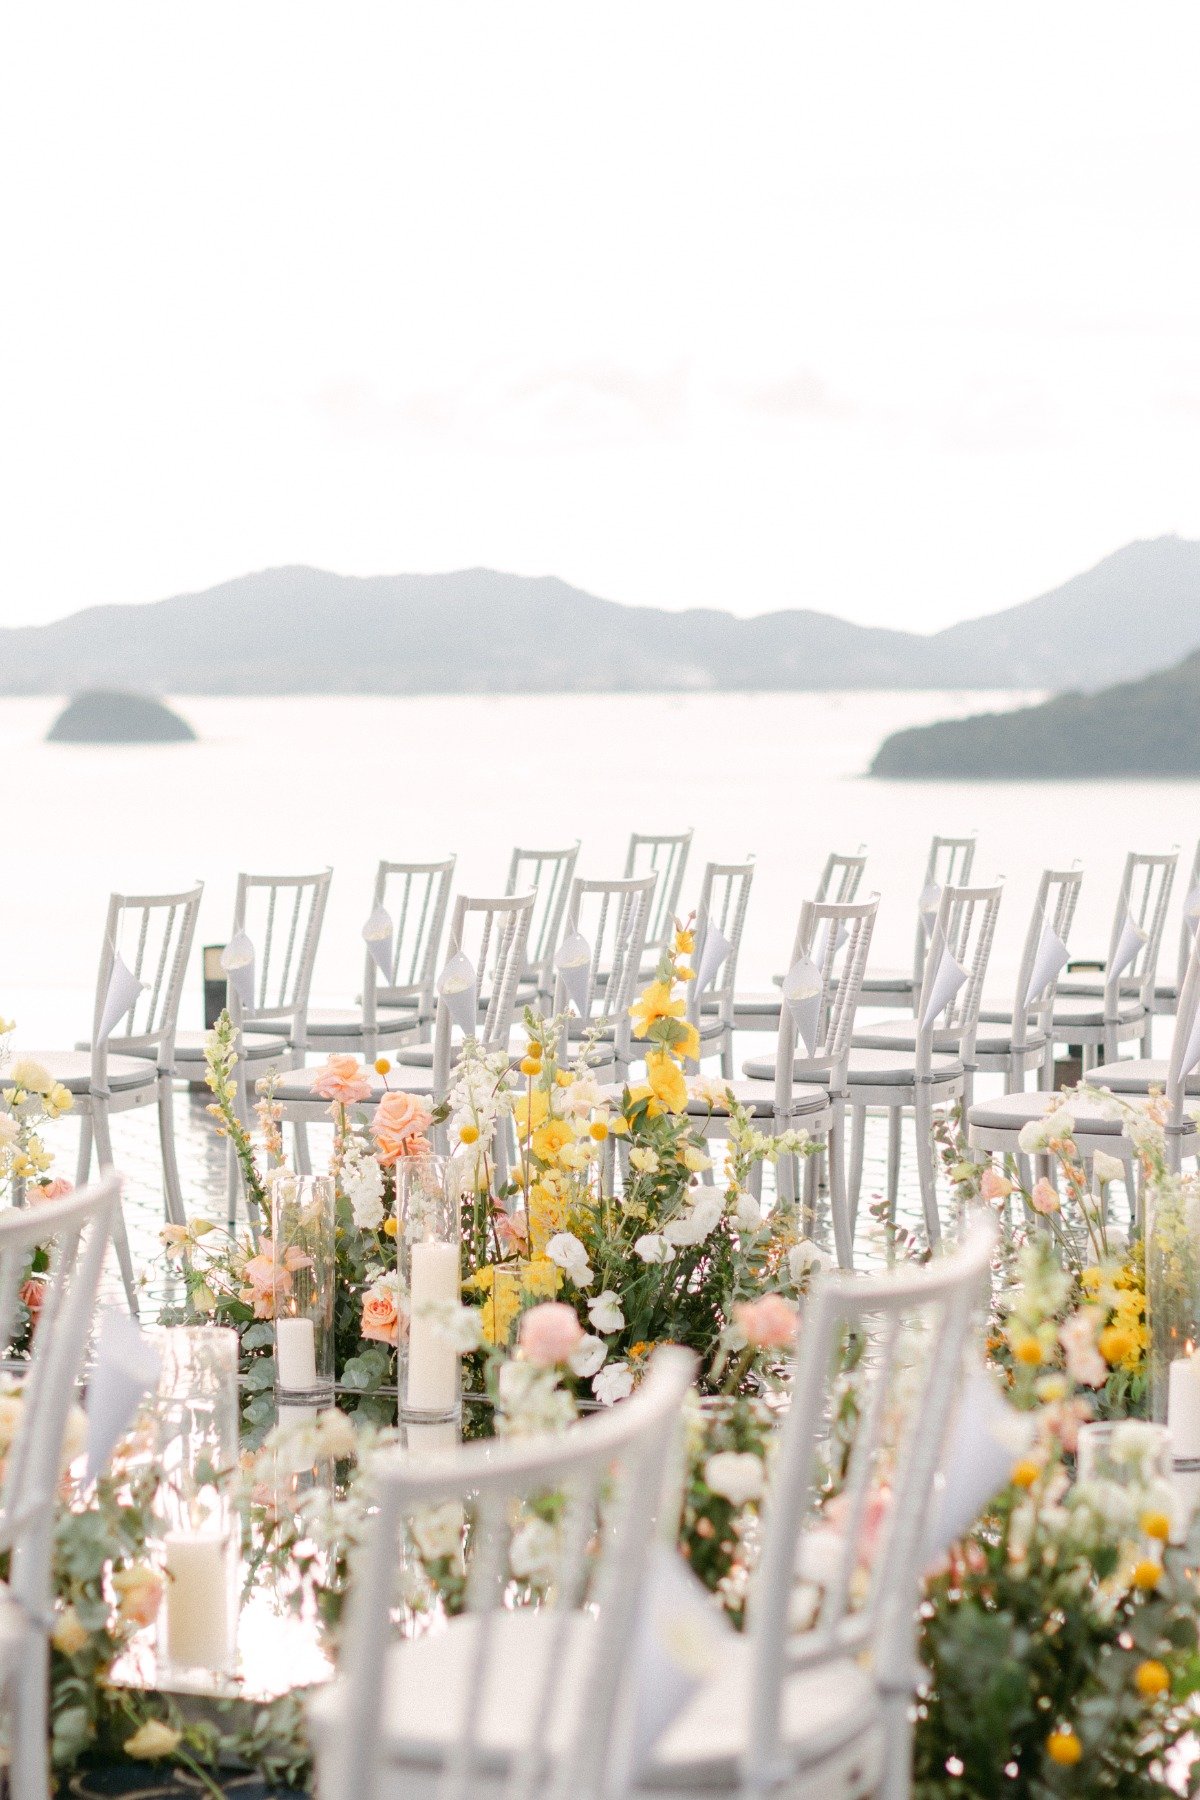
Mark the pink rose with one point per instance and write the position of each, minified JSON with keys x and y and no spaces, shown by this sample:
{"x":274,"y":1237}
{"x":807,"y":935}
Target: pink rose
{"x":57,"y":1189}
{"x":343,"y":1080}
{"x":1043,"y":1198}
{"x":380,"y":1319}
{"x":549,"y":1334}
{"x":265,"y":1284}
{"x":995,"y":1186}
{"x":399,"y":1127}
{"x":769,"y":1323}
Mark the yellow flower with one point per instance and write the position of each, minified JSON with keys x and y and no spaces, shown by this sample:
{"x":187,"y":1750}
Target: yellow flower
{"x":541,"y":1278}
{"x":468,"y":1134}
{"x":687,"y":1048}
{"x":1151,"y":1678}
{"x":1063,"y":1747}
{"x":598,"y":1129}
{"x":383,"y":1065}
{"x":685,"y":942}
{"x":619,"y":1126}
{"x":666,"y":1082}
{"x":1156,"y":1525}
{"x":389,"y":1225}
{"x":1091,"y":1280}
{"x":1025,"y":1473}
{"x":655,"y":1003}
{"x":531,"y":1065}
{"x":547,"y":1214}
{"x":502,"y":1300}
{"x":1028,"y":1350}
{"x":153,"y":1739}
{"x":529,"y":1110}
{"x":68,"y":1635}
{"x":550,"y":1138}
{"x":1147,"y":1574}
{"x":1114,"y":1344}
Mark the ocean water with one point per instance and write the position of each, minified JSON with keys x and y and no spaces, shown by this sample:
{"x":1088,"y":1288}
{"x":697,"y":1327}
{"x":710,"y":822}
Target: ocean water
{"x":292,"y":784}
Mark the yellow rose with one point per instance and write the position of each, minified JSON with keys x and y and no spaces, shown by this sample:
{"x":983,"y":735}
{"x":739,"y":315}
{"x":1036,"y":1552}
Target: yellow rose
{"x":687,"y":1048}
{"x":151,"y":1740}
{"x":666,"y":1082}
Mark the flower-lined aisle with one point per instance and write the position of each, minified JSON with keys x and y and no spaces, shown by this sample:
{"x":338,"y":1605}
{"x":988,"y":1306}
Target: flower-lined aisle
{"x":1059,"y":1630}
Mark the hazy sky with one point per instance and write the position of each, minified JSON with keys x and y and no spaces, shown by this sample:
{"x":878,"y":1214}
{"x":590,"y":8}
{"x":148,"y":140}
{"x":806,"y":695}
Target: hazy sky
{"x":889,"y":309}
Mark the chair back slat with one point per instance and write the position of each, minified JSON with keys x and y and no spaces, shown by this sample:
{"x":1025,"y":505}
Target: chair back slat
{"x":666,"y":856}
{"x":724,"y":899}
{"x":282,"y":916}
{"x":949,"y":864}
{"x":1053,"y":910}
{"x":836,"y":937}
{"x":1143,"y":897}
{"x":478,"y":923}
{"x":152,"y":934}
{"x":548,"y":874}
{"x":1189,"y":925}
{"x":416,"y":897}
{"x":964,"y":928}
{"x":841,"y":876}
{"x":613,"y":917}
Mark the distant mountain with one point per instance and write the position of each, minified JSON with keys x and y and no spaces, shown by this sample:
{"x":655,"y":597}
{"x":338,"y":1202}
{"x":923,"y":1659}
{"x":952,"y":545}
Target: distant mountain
{"x":304,"y":631}
{"x":1146,"y":727}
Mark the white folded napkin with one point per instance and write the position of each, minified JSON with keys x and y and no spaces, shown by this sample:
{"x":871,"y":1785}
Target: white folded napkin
{"x":1128,"y":944}
{"x":802,"y":989}
{"x":237,"y":963}
{"x":127,"y":1368}
{"x":713,"y":951}
{"x":927,"y":905}
{"x":680,"y":1638}
{"x":839,"y":938}
{"x":1191,"y":909}
{"x":459,"y":987}
{"x":573,"y":961}
{"x":1191,"y":1055}
{"x":949,"y":978}
{"x":1051,"y":956}
{"x":123,"y":990}
{"x":377,"y":936}
{"x":987,"y":1436}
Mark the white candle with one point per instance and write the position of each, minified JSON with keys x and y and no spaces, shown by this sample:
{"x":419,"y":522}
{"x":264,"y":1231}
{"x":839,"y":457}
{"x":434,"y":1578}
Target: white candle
{"x":295,"y":1354}
{"x":199,"y":1612}
{"x":432,"y":1362}
{"x":440,"y":1434}
{"x":1183,"y":1422}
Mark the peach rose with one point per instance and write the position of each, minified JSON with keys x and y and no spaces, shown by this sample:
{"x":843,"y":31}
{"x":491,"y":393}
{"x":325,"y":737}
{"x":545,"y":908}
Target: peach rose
{"x":549,"y":1334}
{"x":33,"y":1293}
{"x":769,"y":1323}
{"x":139,"y":1594}
{"x":995,"y":1186}
{"x":1043,"y":1198}
{"x":399,"y":1127}
{"x":57,"y":1189}
{"x":343,"y":1080}
{"x":380,"y":1318}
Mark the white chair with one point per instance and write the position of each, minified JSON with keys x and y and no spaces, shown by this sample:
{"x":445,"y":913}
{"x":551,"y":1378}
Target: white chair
{"x":721,"y":914}
{"x":76,"y":1232}
{"x":1014,"y":1039}
{"x":825,"y":1711}
{"x":504,"y":1701}
{"x":130,"y":1061}
{"x":478,"y":927}
{"x":1102,"y":1012}
{"x":839,"y":880}
{"x":994,"y":1126}
{"x":666,"y":858}
{"x":548,"y":874}
{"x":403,"y":934}
{"x":804,"y":1085}
{"x":949,"y":864}
{"x":921,"y":1079}
{"x":606,"y":923}
{"x":1166,"y":993}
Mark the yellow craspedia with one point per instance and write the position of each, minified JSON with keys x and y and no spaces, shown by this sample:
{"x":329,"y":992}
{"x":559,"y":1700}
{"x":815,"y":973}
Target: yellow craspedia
{"x":1151,"y":1678}
{"x":531,"y":1065}
{"x":1156,"y":1525}
{"x":468,"y":1134}
{"x":1063,"y":1747}
{"x":598,"y":1129}
{"x":1147,"y":1574}
{"x":389,"y":1225}
{"x":1028,"y":1350}
{"x":1114,"y":1344}
{"x":383,"y":1065}
{"x":1025,"y":1473}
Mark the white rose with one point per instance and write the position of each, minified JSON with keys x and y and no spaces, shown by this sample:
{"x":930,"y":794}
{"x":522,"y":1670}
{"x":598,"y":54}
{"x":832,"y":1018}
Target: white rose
{"x":738,"y":1476}
{"x":565,"y":1249}
{"x":588,"y":1356}
{"x":694,"y":1226}
{"x":653,"y":1248}
{"x":749,"y":1213}
{"x":1032,"y":1137}
{"x":613,"y":1383}
{"x":459,"y":1326}
{"x":605,"y":1311}
{"x":437,"y":1532}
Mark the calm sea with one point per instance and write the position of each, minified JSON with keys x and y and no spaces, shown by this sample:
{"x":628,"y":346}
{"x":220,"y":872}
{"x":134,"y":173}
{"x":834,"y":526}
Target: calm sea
{"x":285,"y":785}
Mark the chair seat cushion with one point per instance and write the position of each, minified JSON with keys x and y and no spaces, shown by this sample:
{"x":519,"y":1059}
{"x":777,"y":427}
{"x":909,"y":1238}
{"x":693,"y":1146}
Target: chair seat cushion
{"x":333,"y":1021}
{"x":901,"y":1034}
{"x":887,"y":981}
{"x":762,"y":1068}
{"x":883,"y":1068}
{"x":759,"y":1098}
{"x":414,"y":1056}
{"x":1137,"y":1075}
{"x":296,"y":1087}
{"x":74,"y":1069}
{"x":261,"y":1046}
{"x":1008,"y":1112}
{"x":1079,"y":1009}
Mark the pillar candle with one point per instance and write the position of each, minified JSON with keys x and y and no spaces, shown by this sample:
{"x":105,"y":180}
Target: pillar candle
{"x":1183,"y":1422}
{"x":432,"y":1362}
{"x":198,"y":1602}
{"x":295,"y":1354}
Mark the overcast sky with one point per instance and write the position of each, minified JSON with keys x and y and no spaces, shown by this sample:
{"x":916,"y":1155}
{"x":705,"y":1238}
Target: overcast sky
{"x":891,"y":310}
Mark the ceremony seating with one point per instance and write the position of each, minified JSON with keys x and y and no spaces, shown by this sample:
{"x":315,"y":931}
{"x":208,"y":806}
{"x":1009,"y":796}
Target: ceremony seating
{"x":129,"y":1060}
{"x":75,"y":1233}
{"x":597,"y":966}
{"x":839,"y":880}
{"x":1100,"y":1013}
{"x":548,"y":874}
{"x":720,"y":923}
{"x":949,"y":864}
{"x":666,"y":856}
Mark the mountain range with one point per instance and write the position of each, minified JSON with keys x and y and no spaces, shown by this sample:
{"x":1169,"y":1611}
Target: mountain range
{"x":306,"y":631}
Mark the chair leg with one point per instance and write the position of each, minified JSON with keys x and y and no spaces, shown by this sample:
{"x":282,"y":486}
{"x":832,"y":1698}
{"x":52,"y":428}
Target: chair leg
{"x":839,"y":1208}
{"x":858,"y":1132}
{"x":927,"y":1163}
{"x":895,"y":1122}
{"x":303,"y":1155}
{"x":104,"y":1157}
{"x":727,"y":1056}
{"x":176,"y":1212}
{"x":29,"y":1769}
{"x":83,"y":1165}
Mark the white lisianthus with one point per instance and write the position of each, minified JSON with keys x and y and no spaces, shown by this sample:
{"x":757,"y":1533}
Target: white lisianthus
{"x":533,"y":1550}
{"x":693,"y":1226}
{"x":565,"y":1249}
{"x":749,"y":1214}
{"x":1107,"y":1168}
{"x":613,"y":1383}
{"x":588,"y":1356}
{"x":737,"y":1476}
{"x":652,"y":1247}
{"x":644,"y":1160}
{"x":605,"y":1311}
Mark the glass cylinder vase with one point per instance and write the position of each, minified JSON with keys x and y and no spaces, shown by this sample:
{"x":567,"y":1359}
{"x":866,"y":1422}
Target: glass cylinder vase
{"x":1173,"y":1307}
{"x":428,"y":1286}
{"x":198,"y":1518}
{"x":304,"y":1249}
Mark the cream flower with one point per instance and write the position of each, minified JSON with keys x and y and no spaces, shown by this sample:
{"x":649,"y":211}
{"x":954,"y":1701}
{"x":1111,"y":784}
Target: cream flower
{"x":565,"y":1249}
{"x":737,"y":1476}
{"x":589,"y":1356}
{"x":604,"y":1311}
{"x":613,"y":1383}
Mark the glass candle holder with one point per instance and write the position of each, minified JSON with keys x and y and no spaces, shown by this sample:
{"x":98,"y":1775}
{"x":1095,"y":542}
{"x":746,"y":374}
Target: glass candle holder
{"x":1173,"y":1308}
{"x":303,"y":1244}
{"x":200,"y":1528}
{"x":428,"y":1266}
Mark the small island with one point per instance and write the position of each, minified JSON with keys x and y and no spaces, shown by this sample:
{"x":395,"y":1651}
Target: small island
{"x":1145,"y":727}
{"x":106,"y":716}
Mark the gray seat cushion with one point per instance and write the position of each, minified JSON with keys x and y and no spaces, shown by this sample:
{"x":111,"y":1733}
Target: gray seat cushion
{"x":1078,"y":1009}
{"x":887,"y":981}
{"x":73,"y":1068}
{"x":261,"y":1046}
{"x":1137,"y":1075}
{"x":885,"y":1068}
{"x":297,"y":1086}
{"x":1008,"y":1112}
{"x":759,"y":1098}
{"x":333,"y":1021}
{"x":901,"y":1034}
{"x":762,"y":1068}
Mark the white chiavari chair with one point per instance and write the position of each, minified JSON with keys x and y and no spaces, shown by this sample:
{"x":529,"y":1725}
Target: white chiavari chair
{"x":1102,"y":1012}
{"x":720,"y":925}
{"x":597,"y":967}
{"x":839,"y":880}
{"x":949,"y":864}
{"x":666,"y":858}
{"x":548,"y":875}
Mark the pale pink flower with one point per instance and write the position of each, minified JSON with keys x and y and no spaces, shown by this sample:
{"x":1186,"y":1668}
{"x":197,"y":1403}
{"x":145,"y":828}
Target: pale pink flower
{"x":265,"y":1284}
{"x":549,"y":1334}
{"x":1085,"y":1365}
{"x":511,"y":1234}
{"x":342,"y":1079}
{"x":57,"y":1189}
{"x":995,"y":1186}
{"x":769,"y":1323}
{"x":1044,"y":1199}
{"x":399,"y":1127}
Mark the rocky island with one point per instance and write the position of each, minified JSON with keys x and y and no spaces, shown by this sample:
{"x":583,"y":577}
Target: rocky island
{"x":107,"y":716}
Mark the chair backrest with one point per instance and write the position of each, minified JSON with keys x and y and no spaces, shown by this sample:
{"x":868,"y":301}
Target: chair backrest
{"x":949,"y":864}
{"x":912,"y":1329}
{"x":841,"y":876}
{"x":76,"y":1231}
{"x":490,"y":933}
{"x":835,"y":937}
{"x":1142,"y":901}
{"x":724,"y":897}
{"x":1052,"y":917}
{"x":1189,"y":926}
{"x":416,"y":898}
{"x":611,"y":1467}
{"x":667,"y":857}
{"x":282,"y":917}
{"x":1183,"y":1060}
{"x":144,"y":957}
{"x":963,"y":930}
{"x":612,"y":918}
{"x":548,"y":873}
